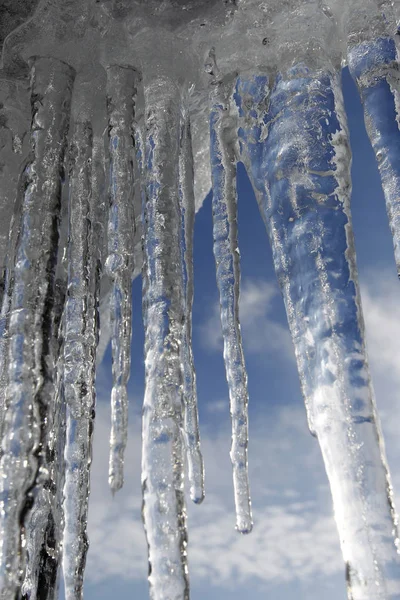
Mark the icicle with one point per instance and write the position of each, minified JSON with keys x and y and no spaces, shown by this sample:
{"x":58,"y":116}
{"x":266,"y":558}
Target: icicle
{"x":57,"y":446}
{"x":164,"y":509}
{"x":255,"y":92}
{"x":44,"y":546}
{"x":121,"y":94}
{"x":226,"y":252}
{"x":300,"y":159}
{"x":5,"y":320}
{"x":190,"y":413}
{"x":30,"y":317}
{"x":52,"y":548}
{"x":44,"y":523}
{"x":99,"y":239}
{"x":45,"y":520}
{"x":374,"y":65}
{"x":4,"y":345}
{"x":6,"y":302}
{"x":79,"y":363}
{"x":99,"y":223}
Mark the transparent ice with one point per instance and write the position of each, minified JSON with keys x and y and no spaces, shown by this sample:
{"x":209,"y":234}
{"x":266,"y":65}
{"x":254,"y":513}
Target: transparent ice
{"x":116,"y":119}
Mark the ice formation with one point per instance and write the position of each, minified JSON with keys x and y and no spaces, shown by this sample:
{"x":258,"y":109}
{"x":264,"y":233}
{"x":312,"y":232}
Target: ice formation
{"x":116,"y":118}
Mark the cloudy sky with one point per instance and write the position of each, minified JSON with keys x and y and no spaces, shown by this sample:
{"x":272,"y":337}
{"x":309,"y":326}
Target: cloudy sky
{"x":293,"y":551}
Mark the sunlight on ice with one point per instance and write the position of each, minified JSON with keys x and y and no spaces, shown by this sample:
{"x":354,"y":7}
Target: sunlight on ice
{"x":117,"y":117}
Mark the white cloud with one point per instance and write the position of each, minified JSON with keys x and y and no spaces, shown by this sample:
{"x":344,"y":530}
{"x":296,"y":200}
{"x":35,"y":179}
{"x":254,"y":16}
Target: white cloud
{"x":260,"y":329}
{"x":117,"y":542}
{"x":218,"y":406}
{"x":289,"y":543}
{"x":294,"y":537}
{"x":381,"y":300}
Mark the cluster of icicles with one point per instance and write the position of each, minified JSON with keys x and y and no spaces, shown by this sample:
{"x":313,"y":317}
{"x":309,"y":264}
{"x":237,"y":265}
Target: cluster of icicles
{"x":290,"y":131}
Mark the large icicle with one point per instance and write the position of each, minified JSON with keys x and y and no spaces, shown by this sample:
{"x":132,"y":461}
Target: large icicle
{"x":79,"y":362}
{"x":44,"y":522}
{"x":374,"y":65}
{"x":30,"y":319}
{"x":299,"y":154}
{"x":226,"y":252}
{"x":121,"y":97}
{"x":190,"y":412}
{"x":164,"y":509}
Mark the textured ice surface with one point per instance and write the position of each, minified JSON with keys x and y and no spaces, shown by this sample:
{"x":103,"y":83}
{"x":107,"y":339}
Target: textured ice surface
{"x":116,"y":119}
{"x":226,"y":252}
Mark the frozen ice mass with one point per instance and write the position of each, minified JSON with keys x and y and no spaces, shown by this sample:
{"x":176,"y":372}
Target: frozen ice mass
{"x":116,"y":119}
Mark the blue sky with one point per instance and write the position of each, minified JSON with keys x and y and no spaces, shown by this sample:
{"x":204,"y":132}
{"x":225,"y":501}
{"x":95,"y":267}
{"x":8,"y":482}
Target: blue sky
{"x":293,"y":551}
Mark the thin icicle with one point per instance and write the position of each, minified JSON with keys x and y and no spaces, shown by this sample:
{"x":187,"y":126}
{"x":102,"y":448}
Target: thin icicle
{"x":190,"y":413}
{"x":121,"y":95}
{"x":99,"y":239}
{"x":99,"y":214}
{"x":297,"y":145}
{"x":375,"y":67}
{"x":121,"y":309}
{"x":226,"y":252}
{"x":79,"y":363}
{"x":30,"y":317}
{"x":4,"y":346}
{"x":164,"y":510}
{"x":6,"y":301}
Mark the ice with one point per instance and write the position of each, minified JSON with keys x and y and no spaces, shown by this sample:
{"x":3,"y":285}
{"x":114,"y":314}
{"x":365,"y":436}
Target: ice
{"x":304,"y":201}
{"x":23,"y":463}
{"x":4,"y":325}
{"x":14,"y":141}
{"x":374,"y":66}
{"x":80,"y":338}
{"x":164,"y":509}
{"x":121,"y":95}
{"x":44,"y":524}
{"x":226,"y":252}
{"x":144,"y":84}
{"x":190,"y":412}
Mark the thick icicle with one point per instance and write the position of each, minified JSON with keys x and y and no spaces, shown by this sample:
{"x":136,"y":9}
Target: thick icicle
{"x":121,"y":96}
{"x":52,"y":547}
{"x":43,"y":524}
{"x":255,"y":91}
{"x":300,"y":160}
{"x":374,"y":65}
{"x":190,"y":412}
{"x":79,"y":362}
{"x":25,"y":427}
{"x":226,"y":252}
{"x":164,"y":509}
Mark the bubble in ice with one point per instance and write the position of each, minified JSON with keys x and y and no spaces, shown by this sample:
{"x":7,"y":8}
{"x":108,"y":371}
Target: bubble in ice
{"x":116,"y":119}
